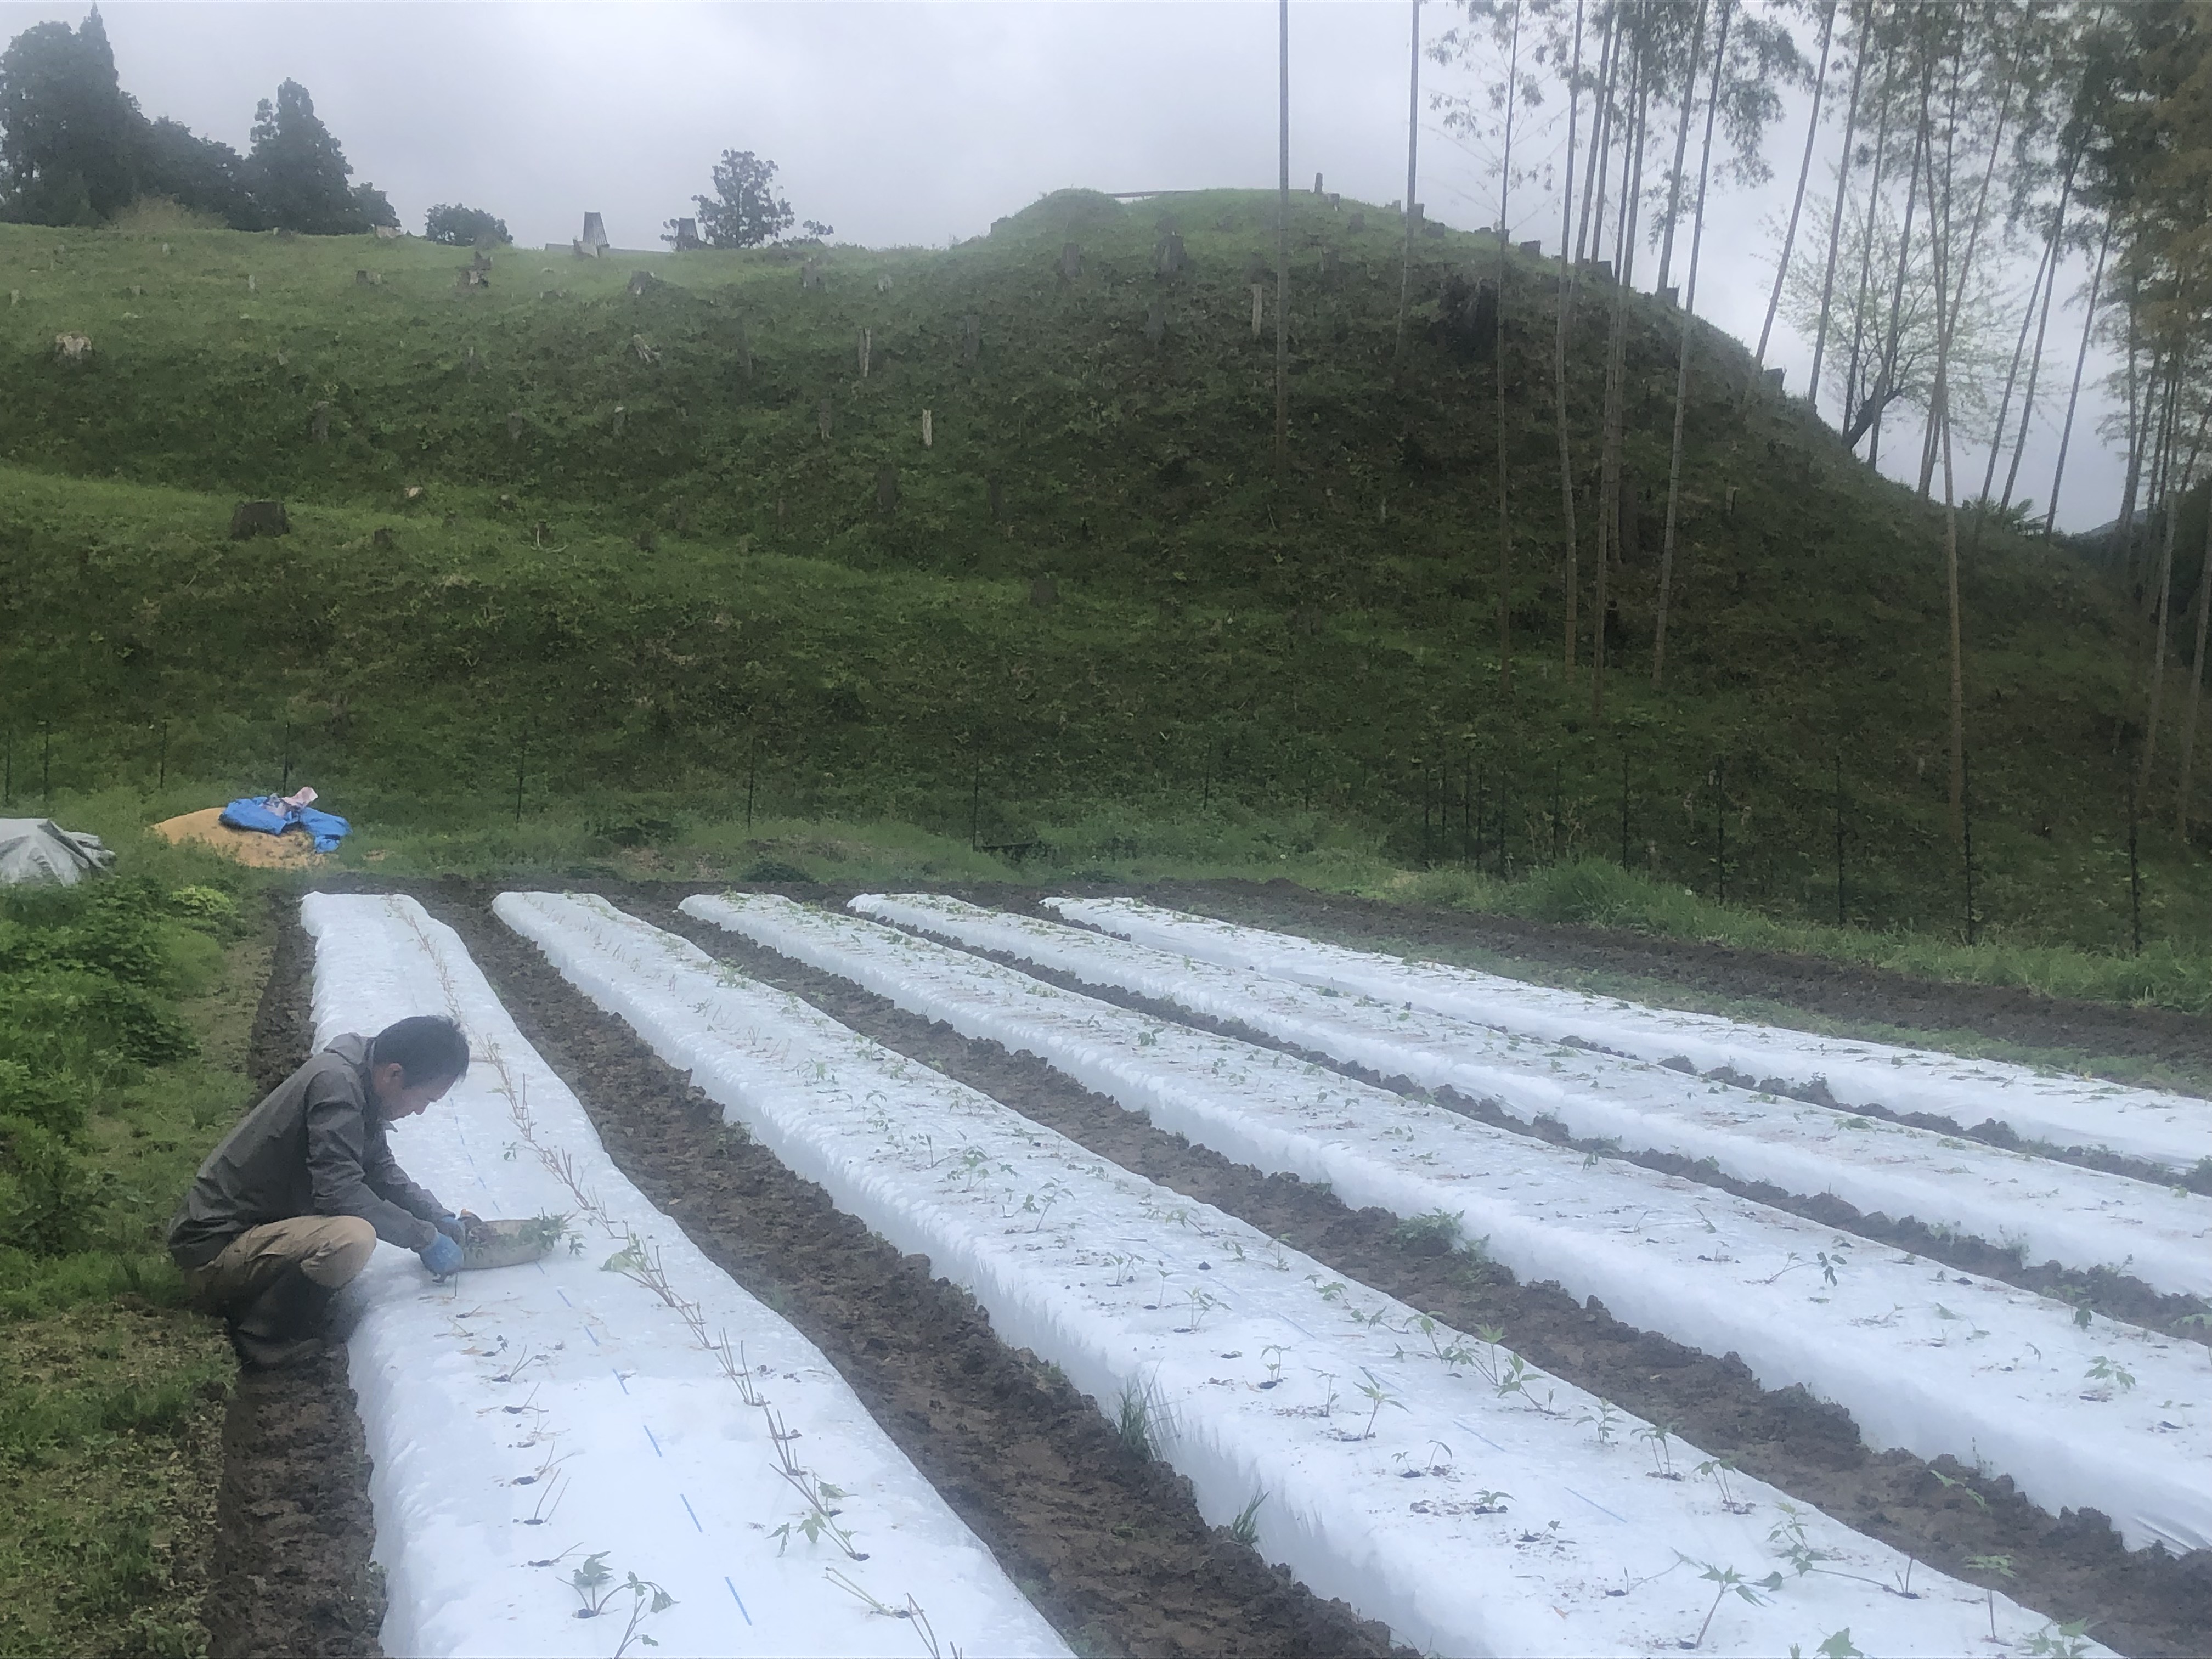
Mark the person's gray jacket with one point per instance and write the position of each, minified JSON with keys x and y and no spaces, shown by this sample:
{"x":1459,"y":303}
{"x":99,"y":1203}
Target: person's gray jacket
{"x":315,"y":1146}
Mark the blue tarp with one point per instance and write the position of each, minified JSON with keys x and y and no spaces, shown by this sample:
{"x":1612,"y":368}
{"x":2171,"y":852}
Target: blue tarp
{"x":273,"y":815}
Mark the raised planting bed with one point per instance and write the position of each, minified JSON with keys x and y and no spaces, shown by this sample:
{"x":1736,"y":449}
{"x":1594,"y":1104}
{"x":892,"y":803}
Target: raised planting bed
{"x":2080,"y":1415}
{"x":2081,"y":1218}
{"x":1428,"y":1476}
{"x":2168,"y":1130}
{"x":540,"y":1432}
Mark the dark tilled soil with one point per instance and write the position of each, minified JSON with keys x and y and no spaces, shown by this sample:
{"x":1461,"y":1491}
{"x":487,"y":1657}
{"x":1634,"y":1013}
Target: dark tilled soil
{"x":2070,"y":1567}
{"x":293,"y":1529}
{"x":1109,"y":1546}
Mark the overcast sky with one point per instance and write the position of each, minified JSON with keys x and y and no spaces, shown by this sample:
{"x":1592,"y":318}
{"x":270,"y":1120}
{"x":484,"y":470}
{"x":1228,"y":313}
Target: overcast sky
{"x":915,"y":121}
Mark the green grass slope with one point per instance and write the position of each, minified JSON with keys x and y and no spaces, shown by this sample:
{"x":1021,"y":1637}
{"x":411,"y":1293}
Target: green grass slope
{"x":722,"y":599}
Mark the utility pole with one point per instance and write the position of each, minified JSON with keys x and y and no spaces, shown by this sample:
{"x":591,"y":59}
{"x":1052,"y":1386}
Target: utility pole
{"x":1412,"y":154}
{"x":1283,"y":246}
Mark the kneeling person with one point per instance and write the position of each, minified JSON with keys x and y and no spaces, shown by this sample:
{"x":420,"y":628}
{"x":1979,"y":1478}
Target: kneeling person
{"x":290,"y":1207}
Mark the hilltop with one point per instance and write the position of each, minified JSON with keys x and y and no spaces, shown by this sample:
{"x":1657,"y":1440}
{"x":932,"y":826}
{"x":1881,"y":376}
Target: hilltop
{"x":588,"y":514}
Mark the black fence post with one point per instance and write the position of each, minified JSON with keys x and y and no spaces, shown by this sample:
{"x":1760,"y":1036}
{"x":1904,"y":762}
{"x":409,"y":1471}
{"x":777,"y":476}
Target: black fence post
{"x":1966,"y":825}
{"x":162,"y":762}
{"x":1839,"y":839}
{"x":752,"y":771}
{"x":1720,"y":825}
{"x":1555,"y":809}
{"x":46,"y":765}
{"x":285,"y":789}
{"x":8,"y":771}
{"x":2135,"y":874}
{"x":521,"y":760}
{"x":1624,"y":809}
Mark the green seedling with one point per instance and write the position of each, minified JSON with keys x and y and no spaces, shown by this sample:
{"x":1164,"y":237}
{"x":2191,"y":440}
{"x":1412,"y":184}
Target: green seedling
{"x":1328,"y":1404}
{"x":1493,"y":1503}
{"x":1660,"y":1435}
{"x":1434,"y":1233}
{"x":1720,"y":1468}
{"x":1331,"y":1291}
{"x":2105,"y":1371}
{"x":1605,"y":1420}
{"x":1274,"y":1366}
{"x":2069,"y":1641}
{"x":1245,"y":1528}
{"x":1839,"y":1645}
{"x":1728,"y":1582}
{"x":1378,"y":1397}
{"x":1137,"y":1420}
{"x":1997,"y":1566}
{"x":595,"y":1587}
{"x":1200,"y":1302}
{"x":1952,"y":1483}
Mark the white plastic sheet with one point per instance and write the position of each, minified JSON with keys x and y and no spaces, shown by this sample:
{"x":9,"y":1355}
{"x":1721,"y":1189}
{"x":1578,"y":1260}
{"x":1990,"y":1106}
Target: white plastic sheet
{"x":1473,"y":1518}
{"x":561,"y":1370}
{"x":1922,"y":1358}
{"x":2048,"y":1210}
{"x":2160,"y":1127}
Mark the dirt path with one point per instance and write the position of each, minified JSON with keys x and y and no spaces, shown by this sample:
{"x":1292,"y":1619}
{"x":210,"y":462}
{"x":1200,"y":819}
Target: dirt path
{"x":2070,"y":1567}
{"x":294,"y":1527}
{"x":1108,"y":1546}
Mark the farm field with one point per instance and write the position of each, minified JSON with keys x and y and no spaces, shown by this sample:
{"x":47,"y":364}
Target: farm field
{"x":1152,"y":1307}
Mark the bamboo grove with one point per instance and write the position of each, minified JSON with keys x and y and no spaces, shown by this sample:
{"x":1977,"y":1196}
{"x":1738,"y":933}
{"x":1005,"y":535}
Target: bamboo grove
{"x":1970,"y":177}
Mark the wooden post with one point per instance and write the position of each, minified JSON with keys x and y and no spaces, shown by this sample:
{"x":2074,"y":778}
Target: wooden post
{"x":1967,"y":828}
{"x":822,"y":419}
{"x":926,"y":433}
{"x":521,"y":760}
{"x":162,"y":764}
{"x":1258,"y":305}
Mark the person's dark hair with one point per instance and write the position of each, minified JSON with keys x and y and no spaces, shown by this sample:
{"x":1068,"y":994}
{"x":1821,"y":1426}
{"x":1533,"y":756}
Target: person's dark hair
{"x":428,"y":1048}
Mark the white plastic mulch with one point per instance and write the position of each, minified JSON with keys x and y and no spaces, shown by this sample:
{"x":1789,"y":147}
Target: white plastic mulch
{"x":1425,"y":1476}
{"x":2103,"y":1416}
{"x":522,"y":1420}
{"x":2048,"y":1210}
{"x":2154,"y":1125}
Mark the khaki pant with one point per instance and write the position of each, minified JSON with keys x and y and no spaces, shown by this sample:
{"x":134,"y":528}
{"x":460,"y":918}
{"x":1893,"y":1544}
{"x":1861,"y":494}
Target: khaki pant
{"x":329,"y":1249}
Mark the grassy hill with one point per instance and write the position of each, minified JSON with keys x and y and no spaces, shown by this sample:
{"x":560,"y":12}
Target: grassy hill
{"x":589,"y":530}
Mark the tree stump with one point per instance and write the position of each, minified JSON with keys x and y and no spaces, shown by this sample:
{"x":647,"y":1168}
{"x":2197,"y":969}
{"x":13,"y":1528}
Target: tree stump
{"x":864,"y":344}
{"x":361,"y":278}
{"x":1317,"y":190}
{"x":1044,"y":593}
{"x":994,"y":494}
{"x":1670,"y":297}
{"x":971,"y":339}
{"x":252,"y":287}
{"x":1335,"y":202}
{"x":381,"y":540}
{"x":884,"y":283}
{"x":810,"y":277}
{"x":1156,"y":320}
{"x":251,"y":518}
{"x":72,"y":348}
{"x":926,"y":440}
{"x":887,"y":494}
{"x":1169,"y":257}
{"x":1773,"y":379}
{"x":648,"y":541}
{"x":1259,"y":307}
{"x":514,"y":426}
{"x":621,"y":420}
{"x":822,"y":419}
{"x":319,"y":424}
{"x":1071,"y":262}
{"x":642,"y":283}
{"x":643,"y":350}
{"x":1356,"y":224}
{"x":1533,"y":249}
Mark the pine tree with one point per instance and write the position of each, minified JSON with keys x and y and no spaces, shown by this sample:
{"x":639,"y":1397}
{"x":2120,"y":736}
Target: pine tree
{"x":296,"y":173}
{"x":67,"y":131}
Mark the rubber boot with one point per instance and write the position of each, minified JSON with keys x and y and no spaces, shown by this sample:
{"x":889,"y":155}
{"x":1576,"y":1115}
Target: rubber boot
{"x":284,"y":1325}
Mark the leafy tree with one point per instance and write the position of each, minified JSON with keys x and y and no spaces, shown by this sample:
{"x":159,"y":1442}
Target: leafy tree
{"x":297,"y":171}
{"x":463,"y":227}
{"x":67,"y":128}
{"x":193,"y":172}
{"x":745,"y":210}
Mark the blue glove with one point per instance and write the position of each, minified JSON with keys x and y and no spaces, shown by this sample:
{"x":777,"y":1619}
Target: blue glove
{"x":451,"y":1226}
{"x":443,"y":1258}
